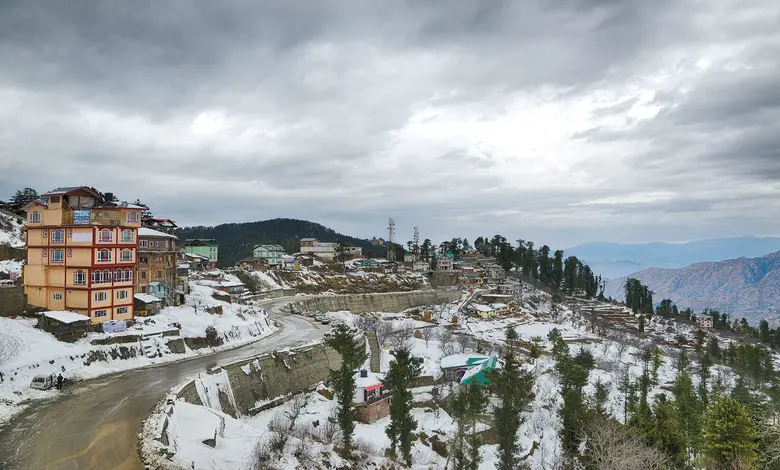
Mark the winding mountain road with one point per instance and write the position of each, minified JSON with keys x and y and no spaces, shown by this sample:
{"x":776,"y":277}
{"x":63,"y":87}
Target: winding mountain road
{"x":93,"y":425}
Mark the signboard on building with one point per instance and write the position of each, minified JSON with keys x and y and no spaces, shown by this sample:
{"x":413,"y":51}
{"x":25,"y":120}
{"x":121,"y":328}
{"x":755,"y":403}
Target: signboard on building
{"x":81,"y":217}
{"x":14,"y":275}
{"x":114,"y":326}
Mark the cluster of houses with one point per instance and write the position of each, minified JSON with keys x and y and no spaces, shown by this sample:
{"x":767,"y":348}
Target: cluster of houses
{"x":372,"y":401}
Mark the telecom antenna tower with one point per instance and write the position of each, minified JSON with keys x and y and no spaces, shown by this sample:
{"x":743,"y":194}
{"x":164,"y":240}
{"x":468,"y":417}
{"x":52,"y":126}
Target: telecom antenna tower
{"x":416,"y":243}
{"x":390,"y":233}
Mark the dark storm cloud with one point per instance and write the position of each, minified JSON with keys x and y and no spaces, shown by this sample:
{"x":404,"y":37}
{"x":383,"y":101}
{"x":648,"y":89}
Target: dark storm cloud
{"x":242,"y":110}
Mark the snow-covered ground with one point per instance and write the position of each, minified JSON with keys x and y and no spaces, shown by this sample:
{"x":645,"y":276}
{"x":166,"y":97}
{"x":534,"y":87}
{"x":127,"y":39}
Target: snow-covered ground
{"x":614,"y":356}
{"x":9,"y":266}
{"x":26,"y":351}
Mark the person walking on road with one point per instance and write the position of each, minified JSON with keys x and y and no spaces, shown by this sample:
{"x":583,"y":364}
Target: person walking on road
{"x":59,"y":382}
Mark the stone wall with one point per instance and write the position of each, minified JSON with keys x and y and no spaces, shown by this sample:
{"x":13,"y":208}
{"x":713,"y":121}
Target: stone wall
{"x":279,"y":373}
{"x":386,"y":302}
{"x":444,"y":279}
{"x":12,"y":300}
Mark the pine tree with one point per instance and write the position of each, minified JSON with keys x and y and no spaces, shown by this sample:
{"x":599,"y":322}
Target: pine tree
{"x":398,"y":379}
{"x":704,"y":376}
{"x":353,"y":354}
{"x":688,"y":409}
{"x":513,"y":387}
{"x":667,"y":432}
{"x":657,"y":363}
{"x":729,"y":433}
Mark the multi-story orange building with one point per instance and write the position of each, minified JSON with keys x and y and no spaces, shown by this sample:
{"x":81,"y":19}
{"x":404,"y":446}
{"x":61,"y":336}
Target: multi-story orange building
{"x":81,"y":253}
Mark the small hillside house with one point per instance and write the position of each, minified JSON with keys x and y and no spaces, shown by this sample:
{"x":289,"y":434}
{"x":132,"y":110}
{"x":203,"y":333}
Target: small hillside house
{"x":455,"y":366}
{"x":704,"y":321}
{"x":372,"y":403}
{"x":146,"y":304}
{"x":206,"y":247}
{"x":273,"y":253}
{"x":66,"y":326}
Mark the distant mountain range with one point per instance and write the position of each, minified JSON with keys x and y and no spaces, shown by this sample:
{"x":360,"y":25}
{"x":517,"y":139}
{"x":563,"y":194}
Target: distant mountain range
{"x":237,"y":240}
{"x":615,"y":259}
{"x":748,"y":287}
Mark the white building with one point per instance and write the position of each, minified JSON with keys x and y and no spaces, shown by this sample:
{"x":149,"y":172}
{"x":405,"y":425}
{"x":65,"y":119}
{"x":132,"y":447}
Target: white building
{"x":704,"y":321}
{"x":445,"y":264}
{"x":326,"y":250}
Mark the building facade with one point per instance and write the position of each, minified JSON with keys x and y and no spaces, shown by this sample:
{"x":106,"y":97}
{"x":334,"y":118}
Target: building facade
{"x":272,"y":253}
{"x":206,"y":247}
{"x":326,"y":250}
{"x":156,"y":270}
{"x":81,"y":253}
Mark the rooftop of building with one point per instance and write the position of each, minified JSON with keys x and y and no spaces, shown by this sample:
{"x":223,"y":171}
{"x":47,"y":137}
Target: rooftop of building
{"x":270,"y":247}
{"x":148,"y":232}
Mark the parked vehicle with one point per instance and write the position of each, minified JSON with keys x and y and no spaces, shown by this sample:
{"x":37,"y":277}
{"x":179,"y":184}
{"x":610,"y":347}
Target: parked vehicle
{"x":324,"y":320}
{"x":43,"y":382}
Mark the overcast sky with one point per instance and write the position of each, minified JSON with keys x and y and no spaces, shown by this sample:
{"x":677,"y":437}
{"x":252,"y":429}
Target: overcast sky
{"x":560,"y":121}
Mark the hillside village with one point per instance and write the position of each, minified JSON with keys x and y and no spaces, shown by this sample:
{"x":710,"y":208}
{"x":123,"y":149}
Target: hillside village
{"x":108,"y":288}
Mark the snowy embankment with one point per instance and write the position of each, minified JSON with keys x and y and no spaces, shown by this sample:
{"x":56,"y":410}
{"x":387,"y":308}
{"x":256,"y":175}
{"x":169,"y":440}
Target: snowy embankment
{"x":26,"y":351}
{"x":11,"y":230}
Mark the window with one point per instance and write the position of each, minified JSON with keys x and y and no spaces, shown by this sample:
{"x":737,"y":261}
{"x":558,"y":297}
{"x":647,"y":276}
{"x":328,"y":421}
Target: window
{"x":100,"y":313}
{"x":144,"y":243}
{"x":101,"y":296}
{"x":144,"y":260}
{"x":35,"y":217}
{"x":128,"y":275}
{"x":54,"y":199}
{"x":106,"y":235}
{"x":79,"y":278}
{"x":126,"y":255}
{"x":121,"y":294}
{"x":57,"y":236}
{"x":56,"y":256}
{"x":57,"y":296}
{"x":143,"y":274}
{"x":101,"y":277}
{"x":104,"y":256}
{"x":121,"y":311}
{"x":159,"y":274}
{"x":127,"y":236}
{"x":45,"y":234}
{"x":70,"y":233}
{"x":132,"y":217}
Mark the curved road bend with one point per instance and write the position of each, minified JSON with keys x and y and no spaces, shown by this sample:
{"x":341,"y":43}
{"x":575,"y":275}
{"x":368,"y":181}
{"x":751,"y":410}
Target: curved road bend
{"x":93,"y":425}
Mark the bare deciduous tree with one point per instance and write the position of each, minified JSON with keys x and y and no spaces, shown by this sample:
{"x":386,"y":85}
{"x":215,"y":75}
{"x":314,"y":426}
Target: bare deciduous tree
{"x":447,"y":341}
{"x":611,"y":446}
{"x":278,"y":433}
{"x":464,"y":342}
{"x":429,"y":334}
{"x":295,"y":407}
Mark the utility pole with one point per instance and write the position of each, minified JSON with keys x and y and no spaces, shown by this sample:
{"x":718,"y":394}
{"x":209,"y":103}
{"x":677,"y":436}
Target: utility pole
{"x":390,"y":233}
{"x":416,"y":243}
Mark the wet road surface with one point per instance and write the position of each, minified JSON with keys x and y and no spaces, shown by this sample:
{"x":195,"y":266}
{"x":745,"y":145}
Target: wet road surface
{"x":93,"y":425}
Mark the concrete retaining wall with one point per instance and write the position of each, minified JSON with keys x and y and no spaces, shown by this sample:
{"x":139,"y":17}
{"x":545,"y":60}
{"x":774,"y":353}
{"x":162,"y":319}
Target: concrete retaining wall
{"x":388,"y":302}
{"x":12,"y":300}
{"x":279,"y":373}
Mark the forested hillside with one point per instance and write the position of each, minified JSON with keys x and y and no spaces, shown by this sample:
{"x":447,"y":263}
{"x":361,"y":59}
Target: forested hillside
{"x":742,"y":287}
{"x":237,"y":240}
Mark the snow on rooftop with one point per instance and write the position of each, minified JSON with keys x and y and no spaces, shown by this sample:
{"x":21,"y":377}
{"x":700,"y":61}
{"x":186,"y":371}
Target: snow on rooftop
{"x":146,"y":298}
{"x":498,"y":305}
{"x":148,"y":232}
{"x":482,"y":308}
{"x":367,"y":382}
{"x":461,"y":360}
{"x":64,"y":316}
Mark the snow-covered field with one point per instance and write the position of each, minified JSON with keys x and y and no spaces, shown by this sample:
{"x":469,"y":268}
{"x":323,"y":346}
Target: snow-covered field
{"x":26,"y":351}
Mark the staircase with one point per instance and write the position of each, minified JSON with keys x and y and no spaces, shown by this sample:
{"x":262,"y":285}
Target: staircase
{"x":151,"y":345}
{"x":376,"y":351}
